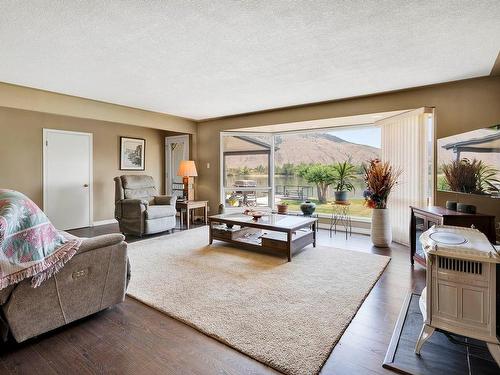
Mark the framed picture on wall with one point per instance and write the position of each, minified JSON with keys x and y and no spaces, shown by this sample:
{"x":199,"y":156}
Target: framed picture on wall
{"x":132,"y":154}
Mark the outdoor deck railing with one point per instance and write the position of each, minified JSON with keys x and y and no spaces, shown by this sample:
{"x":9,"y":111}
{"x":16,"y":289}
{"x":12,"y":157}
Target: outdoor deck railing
{"x":294,"y":192}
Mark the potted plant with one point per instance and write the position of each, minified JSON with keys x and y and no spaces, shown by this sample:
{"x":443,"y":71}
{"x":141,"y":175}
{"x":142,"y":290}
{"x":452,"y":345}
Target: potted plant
{"x":345,"y":174}
{"x":462,"y":175}
{"x":487,"y":181}
{"x":282,"y":208}
{"x":466,"y":176}
{"x":380,"y":179}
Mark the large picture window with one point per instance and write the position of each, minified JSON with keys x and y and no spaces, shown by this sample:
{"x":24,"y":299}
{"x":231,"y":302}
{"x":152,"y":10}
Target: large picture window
{"x":301,"y":158}
{"x":262,"y":170}
{"x":265,"y":169}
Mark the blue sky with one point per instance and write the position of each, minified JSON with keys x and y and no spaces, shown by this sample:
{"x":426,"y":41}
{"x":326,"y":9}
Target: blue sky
{"x":366,"y":135}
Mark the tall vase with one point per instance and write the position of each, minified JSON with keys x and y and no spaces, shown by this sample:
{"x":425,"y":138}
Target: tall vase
{"x":381,"y":232}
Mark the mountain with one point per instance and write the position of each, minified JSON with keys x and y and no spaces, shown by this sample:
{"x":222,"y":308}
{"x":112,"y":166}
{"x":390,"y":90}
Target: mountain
{"x":309,"y":148}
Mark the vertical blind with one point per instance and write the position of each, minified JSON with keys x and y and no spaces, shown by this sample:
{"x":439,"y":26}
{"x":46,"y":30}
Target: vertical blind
{"x":407,"y":143}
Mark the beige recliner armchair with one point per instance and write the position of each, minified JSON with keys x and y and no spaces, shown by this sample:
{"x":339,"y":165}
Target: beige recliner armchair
{"x":93,"y":280}
{"x":138,"y":207}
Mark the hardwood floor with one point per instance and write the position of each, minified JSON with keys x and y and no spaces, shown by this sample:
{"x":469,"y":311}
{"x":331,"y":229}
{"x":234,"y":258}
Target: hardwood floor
{"x":132,"y":338}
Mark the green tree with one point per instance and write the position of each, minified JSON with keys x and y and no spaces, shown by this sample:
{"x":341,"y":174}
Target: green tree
{"x":360,"y":168}
{"x":260,"y":169}
{"x":301,"y":169}
{"x":320,"y":174}
{"x":288,"y":169}
{"x":244,"y":171}
{"x":441,"y":183}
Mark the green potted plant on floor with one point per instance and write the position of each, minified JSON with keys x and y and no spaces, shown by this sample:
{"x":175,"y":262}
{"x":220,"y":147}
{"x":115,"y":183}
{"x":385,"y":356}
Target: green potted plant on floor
{"x":345,"y":174}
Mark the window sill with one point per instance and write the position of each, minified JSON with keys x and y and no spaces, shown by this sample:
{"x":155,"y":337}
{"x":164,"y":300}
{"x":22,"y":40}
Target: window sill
{"x":355,"y":219}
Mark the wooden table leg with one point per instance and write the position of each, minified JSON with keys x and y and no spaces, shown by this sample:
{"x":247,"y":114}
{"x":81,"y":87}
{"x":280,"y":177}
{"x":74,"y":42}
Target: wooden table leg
{"x":187,"y":218}
{"x":206,"y":214}
{"x":210,"y":239}
{"x":289,"y":245}
{"x":181,"y":214}
{"x":314,"y":233}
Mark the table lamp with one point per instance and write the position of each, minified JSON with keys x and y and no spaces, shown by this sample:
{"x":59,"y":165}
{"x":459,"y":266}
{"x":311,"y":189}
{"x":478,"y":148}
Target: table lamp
{"x":187,"y":170}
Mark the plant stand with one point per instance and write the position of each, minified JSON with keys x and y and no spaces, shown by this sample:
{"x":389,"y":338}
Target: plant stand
{"x":341,"y":215}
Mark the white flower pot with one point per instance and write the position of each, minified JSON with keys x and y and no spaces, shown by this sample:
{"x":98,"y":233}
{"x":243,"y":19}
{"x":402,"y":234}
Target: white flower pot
{"x":381,"y":230}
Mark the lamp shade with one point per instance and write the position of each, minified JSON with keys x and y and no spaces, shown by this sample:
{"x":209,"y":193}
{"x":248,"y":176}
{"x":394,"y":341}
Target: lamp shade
{"x":187,"y":169}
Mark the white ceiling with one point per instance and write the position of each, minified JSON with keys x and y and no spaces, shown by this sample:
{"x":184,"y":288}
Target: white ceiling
{"x":203,"y":59}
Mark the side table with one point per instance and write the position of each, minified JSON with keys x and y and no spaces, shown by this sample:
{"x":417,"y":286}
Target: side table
{"x":341,"y":215}
{"x":187,"y":206}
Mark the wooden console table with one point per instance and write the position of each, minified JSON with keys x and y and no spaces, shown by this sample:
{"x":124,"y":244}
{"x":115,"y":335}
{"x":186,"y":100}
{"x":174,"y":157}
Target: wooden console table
{"x":423,"y":218}
{"x":187,"y":206}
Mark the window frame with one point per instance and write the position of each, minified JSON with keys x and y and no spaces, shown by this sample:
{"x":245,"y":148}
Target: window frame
{"x":272,"y":181}
{"x":222,"y":174}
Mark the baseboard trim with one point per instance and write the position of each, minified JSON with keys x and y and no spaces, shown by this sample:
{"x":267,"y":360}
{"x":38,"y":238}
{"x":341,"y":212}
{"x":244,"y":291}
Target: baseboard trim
{"x":104,"y":222}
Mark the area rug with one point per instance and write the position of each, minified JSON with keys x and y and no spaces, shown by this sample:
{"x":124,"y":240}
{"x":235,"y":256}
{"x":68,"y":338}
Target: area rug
{"x":286,"y":315}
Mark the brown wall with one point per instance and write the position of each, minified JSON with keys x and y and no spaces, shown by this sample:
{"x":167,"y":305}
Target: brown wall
{"x":21,"y":153}
{"x":460,"y":106}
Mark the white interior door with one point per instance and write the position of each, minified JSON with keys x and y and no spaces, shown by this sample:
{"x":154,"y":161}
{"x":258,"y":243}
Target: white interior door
{"x":176,"y":149}
{"x":67,"y":183}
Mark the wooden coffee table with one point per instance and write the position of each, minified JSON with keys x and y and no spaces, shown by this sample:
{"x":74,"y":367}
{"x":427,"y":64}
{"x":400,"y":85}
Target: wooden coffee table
{"x":278,"y":233}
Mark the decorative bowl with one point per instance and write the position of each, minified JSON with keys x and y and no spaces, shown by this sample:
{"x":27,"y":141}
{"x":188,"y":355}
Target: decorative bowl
{"x":256,"y":215}
{"x":308,"y":208}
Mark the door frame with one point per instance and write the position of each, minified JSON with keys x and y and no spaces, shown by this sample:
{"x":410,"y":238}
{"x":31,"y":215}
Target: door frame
{"x":168,"y":166}
{"x":91,"y":168}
